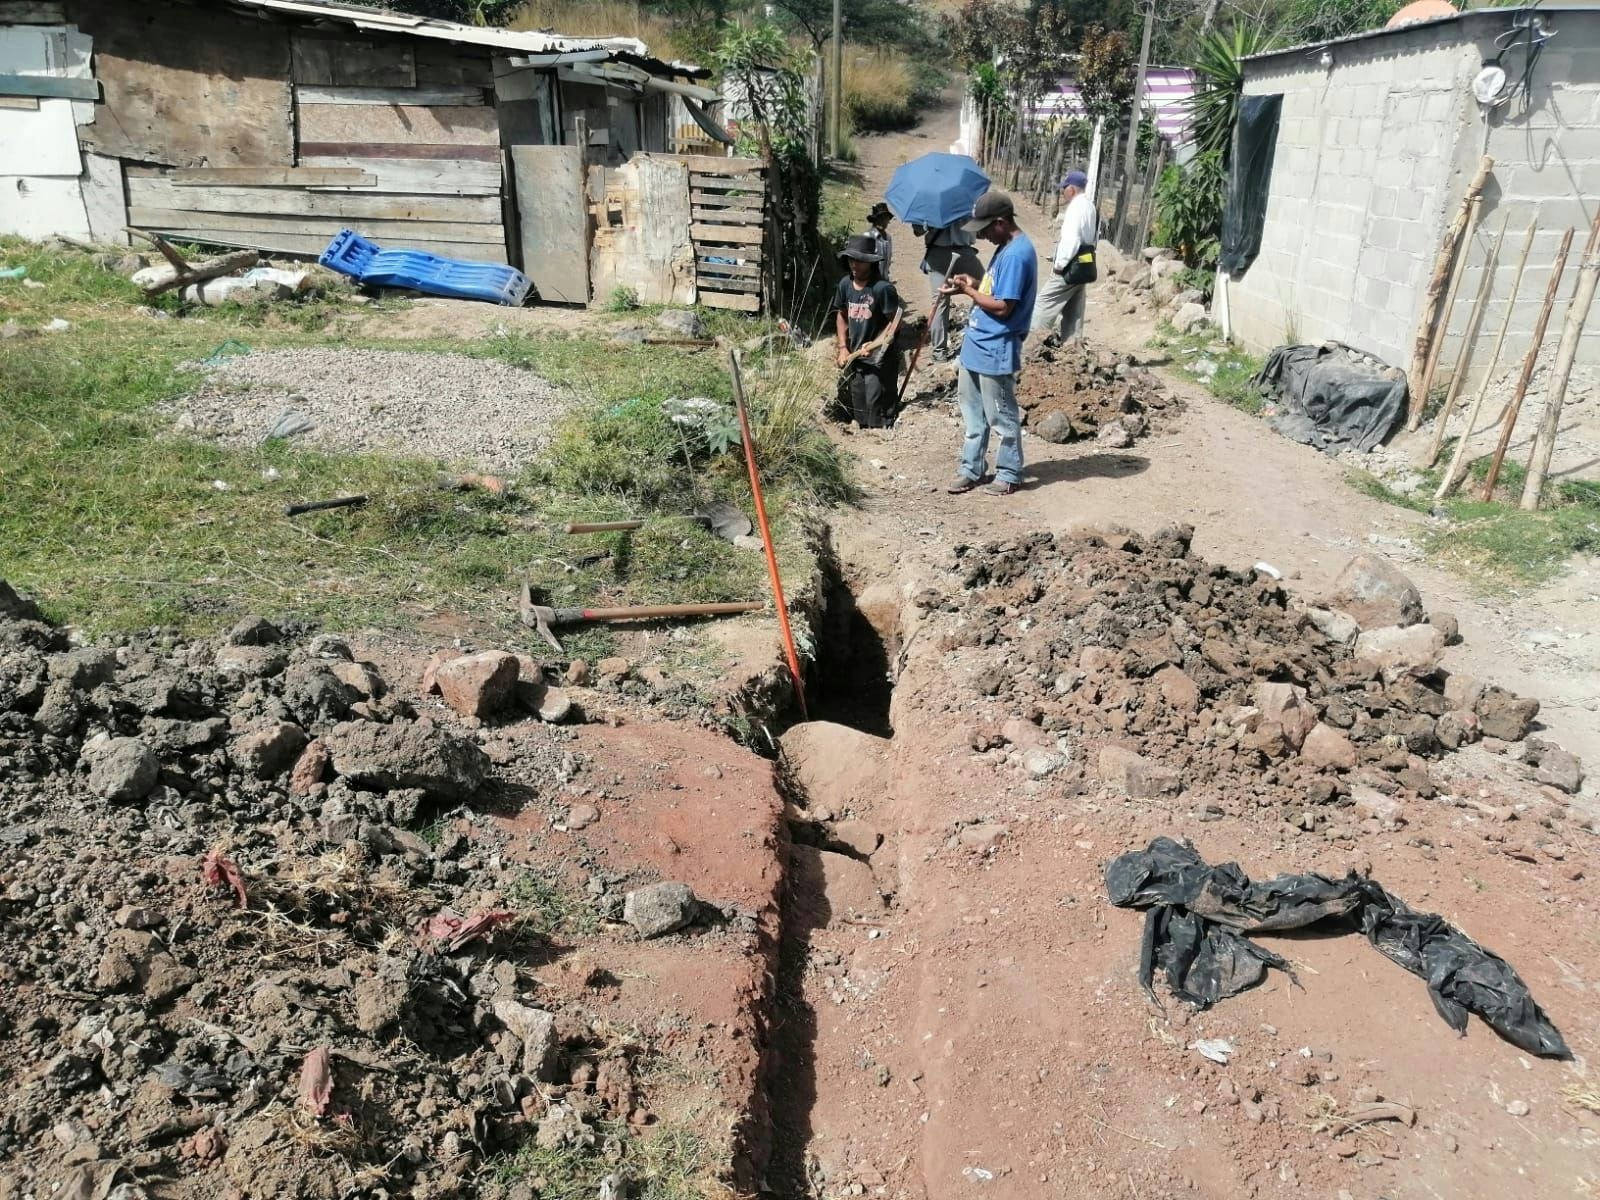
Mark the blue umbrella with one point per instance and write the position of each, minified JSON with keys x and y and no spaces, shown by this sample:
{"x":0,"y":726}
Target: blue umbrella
{"x":936,"y":189}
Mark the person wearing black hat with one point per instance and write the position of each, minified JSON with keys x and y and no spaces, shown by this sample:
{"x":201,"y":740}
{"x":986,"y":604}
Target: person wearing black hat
{"x":991,"y":351}
{"x":878,"y":230}
{"x":867,"y":312}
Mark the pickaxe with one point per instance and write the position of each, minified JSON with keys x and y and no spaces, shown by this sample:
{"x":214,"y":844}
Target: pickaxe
{"x":545,"y":619}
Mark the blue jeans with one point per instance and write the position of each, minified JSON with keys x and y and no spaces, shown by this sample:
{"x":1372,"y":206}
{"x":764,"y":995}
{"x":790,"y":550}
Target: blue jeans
{"x":990,"y":402}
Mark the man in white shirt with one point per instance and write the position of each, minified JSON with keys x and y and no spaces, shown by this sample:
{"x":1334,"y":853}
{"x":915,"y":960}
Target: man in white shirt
{"x":1061,"y":304}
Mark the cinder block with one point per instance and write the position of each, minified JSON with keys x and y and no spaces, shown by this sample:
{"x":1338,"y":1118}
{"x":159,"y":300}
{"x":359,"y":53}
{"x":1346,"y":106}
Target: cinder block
{"x":1408,"y":204}
{"x":1382,"y":201}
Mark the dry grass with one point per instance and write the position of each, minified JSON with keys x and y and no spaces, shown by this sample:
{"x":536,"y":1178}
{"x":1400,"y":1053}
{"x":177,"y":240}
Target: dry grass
{"x":609,"y":18}
{"x":1582,"y":1096}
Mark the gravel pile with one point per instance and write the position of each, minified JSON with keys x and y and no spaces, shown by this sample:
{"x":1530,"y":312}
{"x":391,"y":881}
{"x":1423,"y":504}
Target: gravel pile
{"x":471,"y":411}
{"x":1078,"y":391}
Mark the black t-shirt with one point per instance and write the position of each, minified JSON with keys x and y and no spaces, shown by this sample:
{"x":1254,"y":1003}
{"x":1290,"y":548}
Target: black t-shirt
{"x":867,"y":311}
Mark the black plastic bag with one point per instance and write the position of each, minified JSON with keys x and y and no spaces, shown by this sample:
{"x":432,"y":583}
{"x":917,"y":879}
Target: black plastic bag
{"x":1198,"y":913}
{"x":1244,"y":213}
{"x":1333,"y":398}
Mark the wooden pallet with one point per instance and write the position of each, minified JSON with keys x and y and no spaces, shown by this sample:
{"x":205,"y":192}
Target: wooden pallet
{"x":729,"y":212}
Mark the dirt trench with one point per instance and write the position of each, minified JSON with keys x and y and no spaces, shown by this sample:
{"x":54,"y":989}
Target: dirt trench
{"x":957,"y":1010}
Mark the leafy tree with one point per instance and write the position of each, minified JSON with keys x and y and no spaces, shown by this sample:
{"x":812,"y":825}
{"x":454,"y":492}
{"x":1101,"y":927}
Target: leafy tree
{"x":1189,"y":208}
{"x":1324,"y":20}
{"x":1105,"y":72}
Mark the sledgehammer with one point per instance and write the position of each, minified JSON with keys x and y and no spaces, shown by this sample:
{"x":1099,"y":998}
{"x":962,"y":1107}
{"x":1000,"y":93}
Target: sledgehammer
{"x":545,"y":619}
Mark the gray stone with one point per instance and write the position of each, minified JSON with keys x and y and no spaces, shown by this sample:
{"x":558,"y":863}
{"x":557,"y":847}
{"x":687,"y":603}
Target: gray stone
{"x":1554,"y":766}
{"x":1455,"y":729}
{"x":60,"y":710}
{"x":1134,"y":775}
{"x":121,"y":768}
{"x":254,"y":631}
{"x":250,"y":662}
{"x":1397,"y":650}
{"x":1371,"y":804}
{"x":267,"y":748}
{"x":983,"y":837}
{"x":535,"y":1031}
{"x":1055,"y":427}
{"x":660,"y":908}
{"x":315,"y":695}
{"x":1338,"y":627}
{"x":1501,"y":714}
{"x":85,"y":669}
{"x":1375,"y":592}
{"x":1110,"y":260}
{"x":681,"y":322}
{"x":1446,"y":623}
{"x":1189,"y":318}
{"x":555,"y":706}
{"x":1114,"y":435}
{"x":581,"y":816}
{"x":408,"y":754}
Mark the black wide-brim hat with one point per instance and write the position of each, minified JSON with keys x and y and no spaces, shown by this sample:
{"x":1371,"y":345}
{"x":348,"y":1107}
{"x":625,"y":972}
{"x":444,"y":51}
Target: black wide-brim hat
{"x":860,"y":247}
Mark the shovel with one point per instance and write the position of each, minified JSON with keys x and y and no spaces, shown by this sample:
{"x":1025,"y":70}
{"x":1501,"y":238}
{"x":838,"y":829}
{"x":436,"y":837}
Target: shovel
{"x":545,"y":619}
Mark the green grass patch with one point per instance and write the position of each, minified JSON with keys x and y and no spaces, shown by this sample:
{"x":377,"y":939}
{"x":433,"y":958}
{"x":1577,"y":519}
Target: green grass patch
{"x":549,"y":908}
{"x":1494,"y":541}
{"x":116,"y":523}
{"x":1231,"y":381}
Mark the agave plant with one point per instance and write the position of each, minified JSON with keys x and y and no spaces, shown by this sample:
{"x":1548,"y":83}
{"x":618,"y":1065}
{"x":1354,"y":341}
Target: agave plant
{"x":1214,"y":105}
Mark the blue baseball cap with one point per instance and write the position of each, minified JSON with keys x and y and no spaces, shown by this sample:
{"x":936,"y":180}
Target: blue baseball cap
{"x":1075,"y":179}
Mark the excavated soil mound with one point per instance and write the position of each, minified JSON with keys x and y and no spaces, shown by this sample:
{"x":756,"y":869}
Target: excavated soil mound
{"x":1078,"y":391}
{"x":231,"y":965}
{"x":1131,"y":661}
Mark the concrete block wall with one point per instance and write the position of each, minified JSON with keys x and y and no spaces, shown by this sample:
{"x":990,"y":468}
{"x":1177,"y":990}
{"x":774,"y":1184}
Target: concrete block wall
{"x":1547,"y":168}
{"x":1373,"y":156}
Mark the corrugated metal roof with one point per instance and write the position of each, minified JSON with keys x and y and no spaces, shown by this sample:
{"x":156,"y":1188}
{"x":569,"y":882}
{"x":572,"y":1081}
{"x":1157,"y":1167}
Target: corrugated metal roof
{"x":1501,"y":15}
{"x":373,"y":20}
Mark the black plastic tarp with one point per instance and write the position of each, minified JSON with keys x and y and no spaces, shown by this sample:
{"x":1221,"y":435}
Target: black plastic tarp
{"x":1197,"y":914}
{"x":1333,"y":397}
{"x":1244,"y":213}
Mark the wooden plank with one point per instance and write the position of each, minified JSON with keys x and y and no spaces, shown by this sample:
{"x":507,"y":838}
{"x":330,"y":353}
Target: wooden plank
{"x":734,"y":234}
{"x":213,"y":92}
{"x":444,"y":63}
{"x":745,"y":254}
{"x":313,"y":244}
{"x":352,"y":205}
{"x":486,"y":154}
{"x":258,"y":177}
{"x":705,"y":265}
{"x":730,"y":300}
{"x":49,"y":87}
{"x":332,"y":61}
{"x":417,"y":176}
{"x":718,"y":283}
{"x":105,"y":199}
{"x":641,"y":240}
{"x":728,"y":216}
{"x":553,"y":220}
{"x":447,"y":125}
{"x":20,"y":103}
{"x":728,"y":183}
{"x":32,"y":12}
{"x":712,"y":165}
{"x":400,"y":233}
{"x":426,"y":96}
{"x":755,"y":199}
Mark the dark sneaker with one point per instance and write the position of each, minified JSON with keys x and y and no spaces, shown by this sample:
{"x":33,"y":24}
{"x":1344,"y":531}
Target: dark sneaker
{"x":961,"y":484}
{"x":1001,"y":488}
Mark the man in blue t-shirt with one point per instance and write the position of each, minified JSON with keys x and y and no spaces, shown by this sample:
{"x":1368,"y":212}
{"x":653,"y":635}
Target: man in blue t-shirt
{"x":991,"y":351}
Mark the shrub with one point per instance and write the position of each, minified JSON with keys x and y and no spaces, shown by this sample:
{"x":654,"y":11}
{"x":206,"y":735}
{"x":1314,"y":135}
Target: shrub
{"x":1189,"y":208}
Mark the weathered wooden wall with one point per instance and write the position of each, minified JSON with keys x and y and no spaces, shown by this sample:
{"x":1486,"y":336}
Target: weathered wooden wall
{"x":188,"y":86}
{"x":729,"y":210}
{"x":641,"y":232}
{"x":410,"y":128}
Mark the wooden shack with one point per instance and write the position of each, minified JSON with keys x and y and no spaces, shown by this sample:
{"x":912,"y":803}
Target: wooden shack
{"x":273,"y":124}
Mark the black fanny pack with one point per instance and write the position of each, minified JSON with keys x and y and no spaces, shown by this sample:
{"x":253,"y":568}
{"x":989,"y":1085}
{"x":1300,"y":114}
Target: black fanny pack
{"x":1080,"y":267}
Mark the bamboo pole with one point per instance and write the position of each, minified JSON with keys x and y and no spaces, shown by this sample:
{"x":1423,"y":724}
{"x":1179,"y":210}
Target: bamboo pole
{"x":1528,"y":364}
{"x":1544,"y":445}
{"x":1457,"y":377}
{"x":1457,"y":273}
{"x":1435,"y":294}
{"x":1458,"y":461}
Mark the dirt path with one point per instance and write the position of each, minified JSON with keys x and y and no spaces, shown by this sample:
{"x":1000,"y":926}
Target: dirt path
{"x":986,"y":1035}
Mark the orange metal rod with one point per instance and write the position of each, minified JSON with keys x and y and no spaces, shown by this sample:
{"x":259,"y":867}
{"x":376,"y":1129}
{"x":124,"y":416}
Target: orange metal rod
{"x":766,"y":534}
